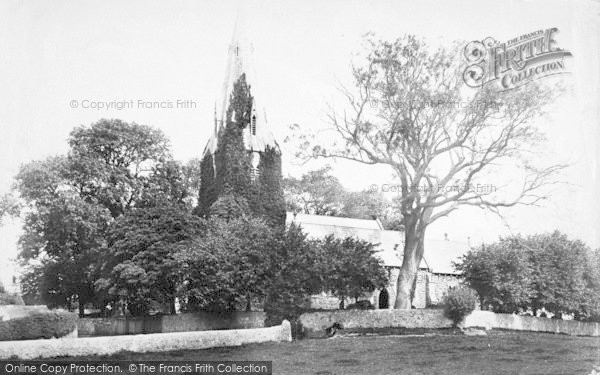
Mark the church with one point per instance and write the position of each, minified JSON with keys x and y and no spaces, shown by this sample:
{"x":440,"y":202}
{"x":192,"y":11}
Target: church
{"x":241,"y":163}
{"x":242,"y":141}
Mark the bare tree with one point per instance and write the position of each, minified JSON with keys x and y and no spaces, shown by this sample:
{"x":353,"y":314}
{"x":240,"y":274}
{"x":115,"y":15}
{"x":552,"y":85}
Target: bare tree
{"x":411,"y":110}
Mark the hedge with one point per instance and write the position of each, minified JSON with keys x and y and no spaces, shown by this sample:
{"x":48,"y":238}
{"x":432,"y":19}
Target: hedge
{"x":39,"y":325}
{"x":11,"y":299}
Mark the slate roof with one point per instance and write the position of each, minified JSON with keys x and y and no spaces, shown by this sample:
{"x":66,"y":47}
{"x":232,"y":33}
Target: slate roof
{"x":438,"y":257}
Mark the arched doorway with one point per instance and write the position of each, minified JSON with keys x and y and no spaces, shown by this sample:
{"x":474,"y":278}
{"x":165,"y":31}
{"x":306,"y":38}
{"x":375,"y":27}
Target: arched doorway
{"x":384,"y":299}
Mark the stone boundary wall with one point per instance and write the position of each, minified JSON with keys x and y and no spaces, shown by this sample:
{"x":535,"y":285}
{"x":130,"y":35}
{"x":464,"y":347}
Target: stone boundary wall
{"x":200,"y":321}
{"x":157,"y":342}
{"x":490,"y":320}
{"x":203,"y":321}
{"x":314,"y":324}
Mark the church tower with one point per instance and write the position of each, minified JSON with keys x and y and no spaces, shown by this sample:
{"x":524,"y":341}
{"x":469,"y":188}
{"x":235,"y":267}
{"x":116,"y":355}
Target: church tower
{"x":241,"y":163}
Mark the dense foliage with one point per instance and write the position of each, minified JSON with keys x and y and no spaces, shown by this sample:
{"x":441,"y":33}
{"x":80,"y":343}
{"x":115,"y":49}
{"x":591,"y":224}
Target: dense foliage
{"x":112,"y":225}
{"x":238,"y":262}
{"x":207,"y":194}
{"x":8,"y":206}
{"x":351,"y":268}
{"x":299,"y":269}
{"x":501,"y":273}
{"x":71,"y":201}
{"x":316,"y":192}
{"x":548,"y":271}
{"x":226,"y":267}
{"x":269,"y":202}
{"x":320,"y":193}
{"x":458,"y":303}
{"x":141,"y":268}
{"x":228,"y":180}
{"x":232,"y":160}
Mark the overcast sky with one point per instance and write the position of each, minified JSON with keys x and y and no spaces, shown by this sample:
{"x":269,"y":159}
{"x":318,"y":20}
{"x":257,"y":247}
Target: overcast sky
{"x":54,"y":53}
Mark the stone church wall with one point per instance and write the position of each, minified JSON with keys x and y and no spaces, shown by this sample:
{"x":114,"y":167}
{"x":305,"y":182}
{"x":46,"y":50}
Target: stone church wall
{"x":429,"y":291}
{"x":438,"y":285}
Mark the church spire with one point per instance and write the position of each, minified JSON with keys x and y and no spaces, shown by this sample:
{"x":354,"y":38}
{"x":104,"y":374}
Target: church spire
{"x":257,"y":135}
{"x":248,"y":167}
{"x":239,"y":61}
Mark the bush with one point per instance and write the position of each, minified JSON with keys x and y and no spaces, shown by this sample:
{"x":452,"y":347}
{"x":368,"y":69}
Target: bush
{"x":459,"y":303}
{"x":546,"y":271}
{"x":11,"y":299}
{"x":39,"y":325}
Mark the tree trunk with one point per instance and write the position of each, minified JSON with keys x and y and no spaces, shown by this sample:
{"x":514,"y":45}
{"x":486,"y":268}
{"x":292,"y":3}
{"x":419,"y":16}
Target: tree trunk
{"x":81,"y":309}
{"x":413,"y":252}
{"x":249,"y":302}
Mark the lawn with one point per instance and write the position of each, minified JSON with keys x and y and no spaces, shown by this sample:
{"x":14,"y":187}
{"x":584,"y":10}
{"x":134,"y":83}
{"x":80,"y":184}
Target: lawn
{"x":497,"y":353}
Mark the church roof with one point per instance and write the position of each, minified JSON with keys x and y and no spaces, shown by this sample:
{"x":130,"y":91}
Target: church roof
{"x":338,"y":222}
{"x":438,"y":257}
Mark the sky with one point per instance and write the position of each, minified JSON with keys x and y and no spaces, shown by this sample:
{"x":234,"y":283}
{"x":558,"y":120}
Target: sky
{"x":56,"y":56}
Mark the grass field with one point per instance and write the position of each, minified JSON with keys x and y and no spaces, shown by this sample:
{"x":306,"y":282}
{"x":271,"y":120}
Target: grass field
{"x":497,"y":353}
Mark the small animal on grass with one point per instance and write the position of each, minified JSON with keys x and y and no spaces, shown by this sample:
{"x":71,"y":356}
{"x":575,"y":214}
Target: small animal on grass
{"x":331,"y":331}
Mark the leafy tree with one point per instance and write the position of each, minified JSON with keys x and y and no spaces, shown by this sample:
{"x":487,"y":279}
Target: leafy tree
{"x":111,"y":162}
{"x":192,"y":174}
{"x":320,"y":193}
{"x":269,"y":201}
{"x":403,"y":114}
{"x":207,"y":193}
{"x":141,"y":267}
{"x":244,"y":259}
{"x":501,"y":273}
{"x":352,"y":270}
{"x":547,"y":271}
{"x":70,"y":202}
{"x":9,"y":206}
{"x":226,"y":267}
{"x":366,"y":205}
{"x":591,"y":305}
{"x":564,"y":274}
{"x":233,"y":165}
{"x":169,"y":181}
{"x":363,"y":204}
{"x":316,"y":192}
{"x":229,"y":207}
{"x":63,"y":233}
{"x":298,"y":269}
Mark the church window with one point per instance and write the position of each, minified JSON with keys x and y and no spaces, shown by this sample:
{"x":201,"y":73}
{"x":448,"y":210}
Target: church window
{"x":253,"y":125}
